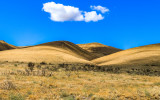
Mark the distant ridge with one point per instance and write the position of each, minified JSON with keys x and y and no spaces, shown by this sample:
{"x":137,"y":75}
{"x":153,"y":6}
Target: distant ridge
{"x":99,"y":49}
{"x":6,"y":46}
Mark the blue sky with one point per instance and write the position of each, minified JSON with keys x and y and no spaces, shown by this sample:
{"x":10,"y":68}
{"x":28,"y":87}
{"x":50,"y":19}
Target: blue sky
{"x":128,"y":24}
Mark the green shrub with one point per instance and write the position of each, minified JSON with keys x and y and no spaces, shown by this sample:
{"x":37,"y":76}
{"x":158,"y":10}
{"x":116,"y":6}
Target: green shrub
{"x":69,"y":98}
{"x":147,"y":93}
{"x":64,"y":95}
{"x":157,"y":83}
{"x":16,"y":97}
{"x":15,"y":65}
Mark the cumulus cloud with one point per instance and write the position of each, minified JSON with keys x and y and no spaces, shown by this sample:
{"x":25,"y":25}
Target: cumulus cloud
{"x":100,"y":8}
{"x":93,"y":16}
{"x":61,"y":13}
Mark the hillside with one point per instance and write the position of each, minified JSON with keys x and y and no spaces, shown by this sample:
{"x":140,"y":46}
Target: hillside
{"x":71,"y":47}
{"x":144,"y":55}
{"x":52,"y":52}
{"x":99,"y":49}
{"x":6,"y":46}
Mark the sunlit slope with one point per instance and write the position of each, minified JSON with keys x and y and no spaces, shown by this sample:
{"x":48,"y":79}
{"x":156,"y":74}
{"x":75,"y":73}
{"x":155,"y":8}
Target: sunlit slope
{"x":53,"y":52}
{"x":99,"y":49}
{"x":6,"y":46}
{"x":145,"y":55}
{"x":72,"y":48}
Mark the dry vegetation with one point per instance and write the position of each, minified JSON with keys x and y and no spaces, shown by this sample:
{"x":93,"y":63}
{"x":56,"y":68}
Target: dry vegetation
{"x":99,"y":49}
{"x":61,"y":83}
{"x":61,"y":70}
{"x":140,"y":56}
{"x":53,"y":52}
{"x":6,"y":46}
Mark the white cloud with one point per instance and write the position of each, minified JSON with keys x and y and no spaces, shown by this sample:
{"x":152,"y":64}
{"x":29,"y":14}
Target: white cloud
{"x":100,"y":8}
{"x":61,"y":13}
{"x":93,"y":16}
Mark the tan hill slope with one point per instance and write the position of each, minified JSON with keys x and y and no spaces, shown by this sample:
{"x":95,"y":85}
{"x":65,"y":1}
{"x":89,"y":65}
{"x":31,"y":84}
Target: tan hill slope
{"x":99,"y":49}
{"x":53,"y":52}
{"x":144,"y":55}
{"x":69,"y":46}
{"x":6,"y":46}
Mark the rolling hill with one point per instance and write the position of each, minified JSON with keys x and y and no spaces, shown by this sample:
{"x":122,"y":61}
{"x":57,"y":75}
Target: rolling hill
{"x":6,"y":46}
{"x":52,"y":52}
{"x":69,"y":46}
{"x":99,"y":49}
{"x":139,"y":56}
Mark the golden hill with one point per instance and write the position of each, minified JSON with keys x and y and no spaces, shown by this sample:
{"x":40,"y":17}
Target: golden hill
{"x":6,"y":46}
{"x":99,"y":49}
{"x":52,"y":52}
{"x":69,"y":46}
{"x":144,"y":55}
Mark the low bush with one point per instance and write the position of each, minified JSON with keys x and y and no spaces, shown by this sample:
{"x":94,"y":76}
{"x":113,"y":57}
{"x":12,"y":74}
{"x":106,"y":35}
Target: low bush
{"x":31,"y":66}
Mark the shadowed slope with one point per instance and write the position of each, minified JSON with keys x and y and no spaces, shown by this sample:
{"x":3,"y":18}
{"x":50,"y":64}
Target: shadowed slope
{"x":6,"y":46}
{"x":143,"y":55}
{"x":52,"y":52}
{"x":99,"y":49}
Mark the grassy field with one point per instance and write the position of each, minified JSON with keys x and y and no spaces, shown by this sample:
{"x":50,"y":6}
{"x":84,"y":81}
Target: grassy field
{"x":74,"y":85}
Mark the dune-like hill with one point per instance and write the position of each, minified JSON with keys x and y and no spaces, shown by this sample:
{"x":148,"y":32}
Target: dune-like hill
{"x":69,"y":46}
{"x":6,"y":46}
{"x":52,"y":52}
{"x":144,"y":55}
{"x":99,"y":49}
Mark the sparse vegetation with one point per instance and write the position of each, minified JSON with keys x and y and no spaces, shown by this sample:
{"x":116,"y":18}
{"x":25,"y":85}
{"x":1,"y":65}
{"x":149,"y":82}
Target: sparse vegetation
{"x":43,"y":63}
{"x":15,"y":64}
{"x":31,"y":66}
{"x":74,"y":78}
{"x":16,"y":97}
{"x":75,"y":82}
{"x":7,"y":85}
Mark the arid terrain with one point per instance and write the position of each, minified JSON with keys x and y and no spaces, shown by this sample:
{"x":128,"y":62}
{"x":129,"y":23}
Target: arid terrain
{"x":144,"y":55}
{"x":62,"y":70}
{"x":99,"y":49}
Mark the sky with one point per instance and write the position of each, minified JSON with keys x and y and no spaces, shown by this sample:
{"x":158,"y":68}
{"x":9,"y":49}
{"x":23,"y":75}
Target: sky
{"x":122,"y":24}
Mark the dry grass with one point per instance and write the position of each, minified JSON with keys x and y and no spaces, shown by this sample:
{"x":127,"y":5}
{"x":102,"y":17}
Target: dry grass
{"x":136,"y":56}
{"x":99,"y":49}
{"x":6,"y":46}
{"x":87,"y":85}
{"x":19,"y":83}
{"x":52,"y":52}
{"x":41,"y":53}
